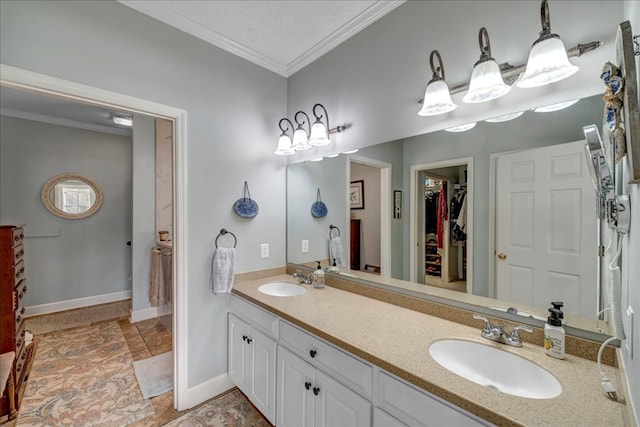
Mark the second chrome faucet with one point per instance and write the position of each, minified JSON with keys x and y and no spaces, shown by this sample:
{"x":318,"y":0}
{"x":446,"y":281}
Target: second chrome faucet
{"x":497,"y":333}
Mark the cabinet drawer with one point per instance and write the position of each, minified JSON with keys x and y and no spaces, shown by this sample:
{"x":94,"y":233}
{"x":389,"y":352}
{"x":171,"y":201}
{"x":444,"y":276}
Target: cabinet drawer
{"x":18,"y":253}
{"x":17,"y":236}
{"x":346,"y":368}
{"x":417,"y":408}
{"x":266,"y":322}
{"x":18,"y":273}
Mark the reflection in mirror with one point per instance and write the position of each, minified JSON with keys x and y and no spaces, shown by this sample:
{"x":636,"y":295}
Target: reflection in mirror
{"x":530,"y":131}
{"x":72,"y":196}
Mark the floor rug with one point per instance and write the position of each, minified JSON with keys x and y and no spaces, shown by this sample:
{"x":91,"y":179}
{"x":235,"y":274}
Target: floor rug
{"x":155,"y":374}
{"x":83,"y":377}
{"x":229,"y":410}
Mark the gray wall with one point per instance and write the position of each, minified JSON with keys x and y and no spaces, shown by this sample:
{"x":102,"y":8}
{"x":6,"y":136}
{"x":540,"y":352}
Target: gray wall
{"x":229,"y":138}
{"x":67,"y":259}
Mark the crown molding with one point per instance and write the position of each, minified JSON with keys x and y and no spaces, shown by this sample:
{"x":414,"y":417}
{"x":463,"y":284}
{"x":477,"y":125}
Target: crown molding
{"x":354,"y":26}
{"x":63,"y":122}
{"x":163,"y":14}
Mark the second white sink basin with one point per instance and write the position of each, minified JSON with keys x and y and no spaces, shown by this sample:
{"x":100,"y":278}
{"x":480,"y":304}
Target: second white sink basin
{"x":282,"y":289}
{"x":495,"y":368}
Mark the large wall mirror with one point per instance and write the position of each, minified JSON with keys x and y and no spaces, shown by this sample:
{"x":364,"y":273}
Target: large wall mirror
{"x":490,"y":150}
{"x":72,"y":196}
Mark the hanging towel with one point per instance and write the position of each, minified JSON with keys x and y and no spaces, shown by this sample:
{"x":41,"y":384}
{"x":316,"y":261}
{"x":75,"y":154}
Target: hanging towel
{"x":336,"y":251}
{"x":223,"y":266}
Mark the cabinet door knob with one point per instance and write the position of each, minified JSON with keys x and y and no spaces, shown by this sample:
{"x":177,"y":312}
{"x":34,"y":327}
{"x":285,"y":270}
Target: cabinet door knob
{"x":249,"y":340}
{"x":307,"y":385}
{"x":244,"y":338}
{"x":312,"y":353}
{"x":316,"y":390}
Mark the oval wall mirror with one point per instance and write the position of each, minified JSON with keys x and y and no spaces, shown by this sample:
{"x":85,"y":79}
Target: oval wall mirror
{"x":71,"y":196}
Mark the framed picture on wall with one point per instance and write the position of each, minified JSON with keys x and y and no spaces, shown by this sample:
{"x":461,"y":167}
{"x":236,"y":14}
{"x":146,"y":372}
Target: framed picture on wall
{"x":356,"y":194}
{"x":397,"y":204}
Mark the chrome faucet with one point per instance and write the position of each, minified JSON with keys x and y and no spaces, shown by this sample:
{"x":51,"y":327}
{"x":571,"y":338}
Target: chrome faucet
{"x":302,"y":278}
{"x":498,"y":334}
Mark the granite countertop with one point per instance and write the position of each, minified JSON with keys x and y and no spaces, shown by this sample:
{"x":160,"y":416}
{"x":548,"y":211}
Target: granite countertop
{"x":397,"y":339}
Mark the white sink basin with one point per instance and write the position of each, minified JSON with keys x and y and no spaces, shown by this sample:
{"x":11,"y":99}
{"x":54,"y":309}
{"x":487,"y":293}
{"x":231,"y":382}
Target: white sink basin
{"x":282,"y":289}
{"x":495,"y":368}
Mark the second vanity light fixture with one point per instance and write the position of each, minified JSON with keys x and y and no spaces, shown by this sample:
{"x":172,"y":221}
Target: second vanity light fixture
{"x":548,"y":63}
{"x":315,"y":135}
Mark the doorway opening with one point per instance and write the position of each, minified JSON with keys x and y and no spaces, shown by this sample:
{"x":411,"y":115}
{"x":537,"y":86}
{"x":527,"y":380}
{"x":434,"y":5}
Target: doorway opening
{"x":39,"y":83}
{"x":441,"y":236}
{"x":370,"y":220}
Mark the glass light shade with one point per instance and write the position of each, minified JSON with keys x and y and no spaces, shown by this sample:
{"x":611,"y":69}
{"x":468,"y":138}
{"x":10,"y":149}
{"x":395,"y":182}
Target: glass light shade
{"x":462,"y":128}
{"x":548,"y":63}
{"x":319,"y":136}
{"x":284,"y":146}
{"x":300,"y":142}
{"x":556,"y":107}
{"x":486,"y":83}
{"x":437,"y":99}
{"x":505,"y":118}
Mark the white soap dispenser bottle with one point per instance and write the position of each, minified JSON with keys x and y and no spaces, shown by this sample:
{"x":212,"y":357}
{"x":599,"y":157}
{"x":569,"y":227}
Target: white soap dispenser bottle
{"x":554,"y":335}
{"x":318,"y":277}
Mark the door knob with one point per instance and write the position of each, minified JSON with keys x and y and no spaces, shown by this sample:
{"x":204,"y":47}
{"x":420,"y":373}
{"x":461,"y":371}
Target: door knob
{"x":502,"y":256}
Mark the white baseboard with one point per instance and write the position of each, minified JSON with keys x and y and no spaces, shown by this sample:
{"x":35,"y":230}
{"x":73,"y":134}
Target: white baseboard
{"x":144,"y":314}
{"x":206,"y":390}
{"x":164,"y":310}
{"x":54,"y":307}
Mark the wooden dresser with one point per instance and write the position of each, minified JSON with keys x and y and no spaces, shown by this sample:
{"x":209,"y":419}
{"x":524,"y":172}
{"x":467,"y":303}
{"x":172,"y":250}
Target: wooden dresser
{"x":13,"y":288}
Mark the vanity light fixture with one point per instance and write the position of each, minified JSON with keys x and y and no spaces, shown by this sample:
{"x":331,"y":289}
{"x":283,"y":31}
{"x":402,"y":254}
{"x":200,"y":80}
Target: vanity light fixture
{"x":300,"y":139}
{"x":462,"y":128}
{"x":123,"y":120}
{"x":318,"y":133}
{"x":556,"y":107}
{"x":486,"y":79}
{"x":437,"y":99}
{"x":548,"y":61}
{"x":284,"y":142}
{"x":505,"y":117}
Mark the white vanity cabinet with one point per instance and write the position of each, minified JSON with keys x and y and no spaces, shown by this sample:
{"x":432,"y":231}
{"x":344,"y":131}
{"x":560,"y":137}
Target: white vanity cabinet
{"x":404,"y":404}
{"x":307,"y":397}
{"x":252,"y":356}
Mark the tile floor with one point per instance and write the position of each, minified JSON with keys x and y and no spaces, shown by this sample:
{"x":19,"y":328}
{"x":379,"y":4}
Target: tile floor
{"x":145,"y":339}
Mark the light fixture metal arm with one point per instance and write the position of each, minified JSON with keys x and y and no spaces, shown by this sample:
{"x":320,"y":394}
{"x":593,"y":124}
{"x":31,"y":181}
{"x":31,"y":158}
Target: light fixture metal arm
{"x":319,"y":117}
{"x":438,"y":72}
{"x":285,"y":130}
{"x":295,"y":118}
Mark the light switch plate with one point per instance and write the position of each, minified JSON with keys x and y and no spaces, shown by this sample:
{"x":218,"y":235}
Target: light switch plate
{"x":305,"y":246}
{"x":629,"y":334}
{"x":264,"y":250}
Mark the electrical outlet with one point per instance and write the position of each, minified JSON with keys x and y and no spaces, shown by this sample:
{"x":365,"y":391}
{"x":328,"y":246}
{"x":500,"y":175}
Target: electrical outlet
{"x":264,"y":250}
{"x":629,"y":332}
{"x":305,"y":246}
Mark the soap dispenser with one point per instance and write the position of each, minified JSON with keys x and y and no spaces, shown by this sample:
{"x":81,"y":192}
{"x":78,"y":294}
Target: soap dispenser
{"x":334,"y":268}
{"x":318,"y":277}
{"x":554,"y":335}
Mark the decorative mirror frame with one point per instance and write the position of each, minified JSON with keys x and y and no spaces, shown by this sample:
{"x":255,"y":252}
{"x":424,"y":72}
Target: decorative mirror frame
{"x":49,"y":185}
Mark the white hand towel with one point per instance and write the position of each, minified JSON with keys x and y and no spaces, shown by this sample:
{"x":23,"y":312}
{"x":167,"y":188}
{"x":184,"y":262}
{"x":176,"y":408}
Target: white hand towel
{"x":223,"y":267}
{"x":336,"y":251}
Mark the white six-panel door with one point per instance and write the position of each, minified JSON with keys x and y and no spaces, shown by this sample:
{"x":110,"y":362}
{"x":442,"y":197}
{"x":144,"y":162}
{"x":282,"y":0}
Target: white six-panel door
{"x":546,"y":229}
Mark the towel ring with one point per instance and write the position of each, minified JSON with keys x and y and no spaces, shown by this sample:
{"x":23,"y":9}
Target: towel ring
{"x":222,"y":233}
{"x":331,"y":228}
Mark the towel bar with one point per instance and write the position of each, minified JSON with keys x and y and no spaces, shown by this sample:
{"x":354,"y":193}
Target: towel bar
{"x":222,"y":233}
{"x":331,"y":228}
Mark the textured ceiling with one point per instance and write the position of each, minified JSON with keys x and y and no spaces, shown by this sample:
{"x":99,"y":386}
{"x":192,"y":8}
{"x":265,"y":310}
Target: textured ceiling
{"x":282,"y":36}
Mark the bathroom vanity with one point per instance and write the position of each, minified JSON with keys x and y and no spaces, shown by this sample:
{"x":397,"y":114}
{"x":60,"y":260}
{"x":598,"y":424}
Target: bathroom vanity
{"x":331,"y":357}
